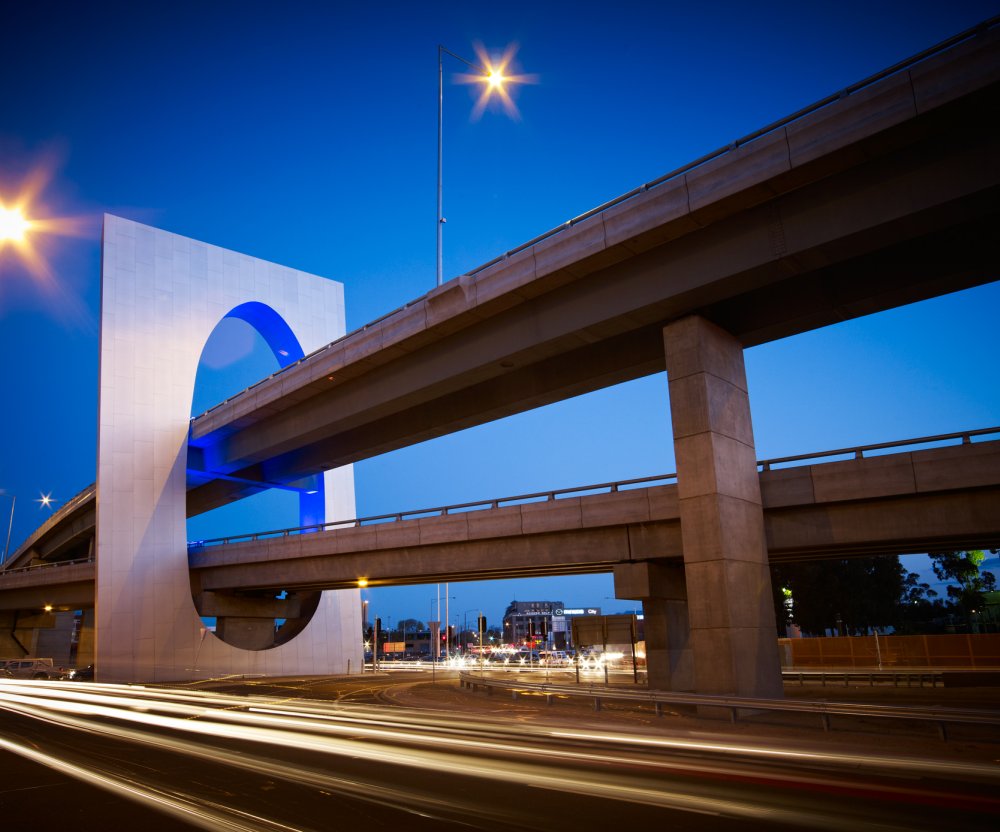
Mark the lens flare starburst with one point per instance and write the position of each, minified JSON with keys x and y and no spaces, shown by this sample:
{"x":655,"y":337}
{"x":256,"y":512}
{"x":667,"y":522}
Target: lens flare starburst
{"x":29,"y":225}
{"x":496,"y":80}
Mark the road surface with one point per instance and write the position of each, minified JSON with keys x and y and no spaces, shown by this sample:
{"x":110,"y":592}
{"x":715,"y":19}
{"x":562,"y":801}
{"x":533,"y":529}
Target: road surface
{"x":103,"y":756}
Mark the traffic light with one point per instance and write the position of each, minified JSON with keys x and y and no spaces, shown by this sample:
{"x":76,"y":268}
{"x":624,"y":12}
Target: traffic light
{"x":378,"y":624}
{"x":482,"y":623}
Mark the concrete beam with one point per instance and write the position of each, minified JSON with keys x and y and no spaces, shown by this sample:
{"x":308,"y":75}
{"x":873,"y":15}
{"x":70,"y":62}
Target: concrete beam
{"x":215,"y":604}
{"x":893,"y":525}
{"x":563,"y":553}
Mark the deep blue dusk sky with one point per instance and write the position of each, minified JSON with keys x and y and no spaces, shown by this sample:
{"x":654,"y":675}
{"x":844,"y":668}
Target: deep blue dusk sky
{"x":306,"y":134}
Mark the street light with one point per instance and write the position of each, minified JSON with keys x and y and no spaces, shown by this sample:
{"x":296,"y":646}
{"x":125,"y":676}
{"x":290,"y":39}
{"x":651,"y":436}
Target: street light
{"x":10,"y":525}
{"x":494,"y":79}
{"x":436,"y":651}
{"x":465,"y":627}
{"x":45,"y":501}
{"x":13,"y":224}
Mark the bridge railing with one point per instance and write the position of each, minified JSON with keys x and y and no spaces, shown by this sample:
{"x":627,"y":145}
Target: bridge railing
{"x":674,"y":174}
{"x":860,"y":451}
{"x":49,"y":565}
{"x":440,"y":511}
{"x":857,"y":452}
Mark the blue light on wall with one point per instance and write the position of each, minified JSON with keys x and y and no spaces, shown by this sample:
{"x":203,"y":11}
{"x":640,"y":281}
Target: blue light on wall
{"x":286,"y":350}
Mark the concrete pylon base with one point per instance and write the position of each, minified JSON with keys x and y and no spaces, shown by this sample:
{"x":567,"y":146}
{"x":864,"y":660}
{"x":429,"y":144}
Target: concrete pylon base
{"x":661,"y":588}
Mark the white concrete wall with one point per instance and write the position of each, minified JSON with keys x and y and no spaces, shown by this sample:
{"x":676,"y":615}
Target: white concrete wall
{"x":162,"y":295}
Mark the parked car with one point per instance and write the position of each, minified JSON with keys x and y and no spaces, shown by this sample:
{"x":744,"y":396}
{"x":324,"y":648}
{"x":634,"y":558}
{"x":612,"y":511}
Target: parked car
{"x":82,"y":674}
{"x":31,"y":668}
{"x":555,"y":658}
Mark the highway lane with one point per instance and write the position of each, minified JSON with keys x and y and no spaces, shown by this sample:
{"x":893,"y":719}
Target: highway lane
{"x":216,"y":760}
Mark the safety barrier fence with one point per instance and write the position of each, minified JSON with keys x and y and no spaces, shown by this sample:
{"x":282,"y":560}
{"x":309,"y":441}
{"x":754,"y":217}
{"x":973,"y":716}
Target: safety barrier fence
{"x":906,"y":678}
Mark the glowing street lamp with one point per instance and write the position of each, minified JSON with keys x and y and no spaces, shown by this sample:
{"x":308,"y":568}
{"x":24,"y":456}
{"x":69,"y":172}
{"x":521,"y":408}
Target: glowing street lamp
{"x":13,"y":225}
{"x":45,"y":501}
{"x":494,"y":79}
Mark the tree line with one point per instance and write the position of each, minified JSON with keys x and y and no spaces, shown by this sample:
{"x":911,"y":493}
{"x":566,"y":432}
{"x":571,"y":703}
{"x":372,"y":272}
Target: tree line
{"x":856,"y":596}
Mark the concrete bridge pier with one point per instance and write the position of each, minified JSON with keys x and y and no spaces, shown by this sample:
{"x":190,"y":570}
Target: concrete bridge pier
{"x":730,"y":612}
{"x":661,"y":588}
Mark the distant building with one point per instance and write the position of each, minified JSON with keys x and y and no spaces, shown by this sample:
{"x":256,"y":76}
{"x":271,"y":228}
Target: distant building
{"x":541,"y":624}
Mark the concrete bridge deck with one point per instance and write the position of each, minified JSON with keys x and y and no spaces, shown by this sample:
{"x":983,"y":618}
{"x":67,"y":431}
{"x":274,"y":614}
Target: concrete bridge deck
{"x":900,"y":503}
{"x":895,"y":503}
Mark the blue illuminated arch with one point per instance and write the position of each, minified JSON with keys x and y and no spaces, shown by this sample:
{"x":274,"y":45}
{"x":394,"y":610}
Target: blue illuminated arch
{"x":286,"y":349}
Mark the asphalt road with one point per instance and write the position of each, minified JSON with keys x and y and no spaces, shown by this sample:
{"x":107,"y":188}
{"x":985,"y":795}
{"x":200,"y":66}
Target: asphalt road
{"x":319,"y":754}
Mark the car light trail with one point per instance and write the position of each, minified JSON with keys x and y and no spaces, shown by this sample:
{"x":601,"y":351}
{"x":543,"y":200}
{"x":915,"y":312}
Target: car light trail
{"x":351,"y":751}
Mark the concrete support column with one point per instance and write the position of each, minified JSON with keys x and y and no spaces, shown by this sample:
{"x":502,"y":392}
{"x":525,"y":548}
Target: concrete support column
{"x":660,"y":586}
{"x":733,"y":636}
{"x":85,"y":646}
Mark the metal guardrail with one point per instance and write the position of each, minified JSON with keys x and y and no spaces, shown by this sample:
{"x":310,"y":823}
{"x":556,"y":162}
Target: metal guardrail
{"x":547,"y":496}
{"x":943,"y":46}
{"x":941,"y":717}
{"x":36,"y":566}
{"x":441,"y":511}
{"x":898,"y":678}
{"x":859,"y":452}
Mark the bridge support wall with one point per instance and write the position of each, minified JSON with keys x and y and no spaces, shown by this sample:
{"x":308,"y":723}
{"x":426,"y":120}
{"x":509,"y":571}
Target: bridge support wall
{"x":662,"y":590}
{"x":162,"y":295}
{"x":730,"y":612}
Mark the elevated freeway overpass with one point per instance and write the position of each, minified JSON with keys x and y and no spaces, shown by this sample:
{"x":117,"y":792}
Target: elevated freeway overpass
{"x":883,"y":195}
{"x":913,"y":501}
{"x":879,"y":501}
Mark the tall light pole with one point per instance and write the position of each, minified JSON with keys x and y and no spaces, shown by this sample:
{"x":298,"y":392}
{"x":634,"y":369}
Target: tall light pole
{"x":436,"y":651}
{"x":494,"y":79}
{"x":465,"y":628}
{"x":10,"y":526}
{"x":45,"y":501}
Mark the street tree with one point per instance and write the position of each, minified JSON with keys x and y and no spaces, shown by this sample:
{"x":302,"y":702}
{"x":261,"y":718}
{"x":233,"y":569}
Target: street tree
{"x":967,"y":584}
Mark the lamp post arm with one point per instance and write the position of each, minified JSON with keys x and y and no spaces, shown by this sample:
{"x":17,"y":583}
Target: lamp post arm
{"x":442,"y":51}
